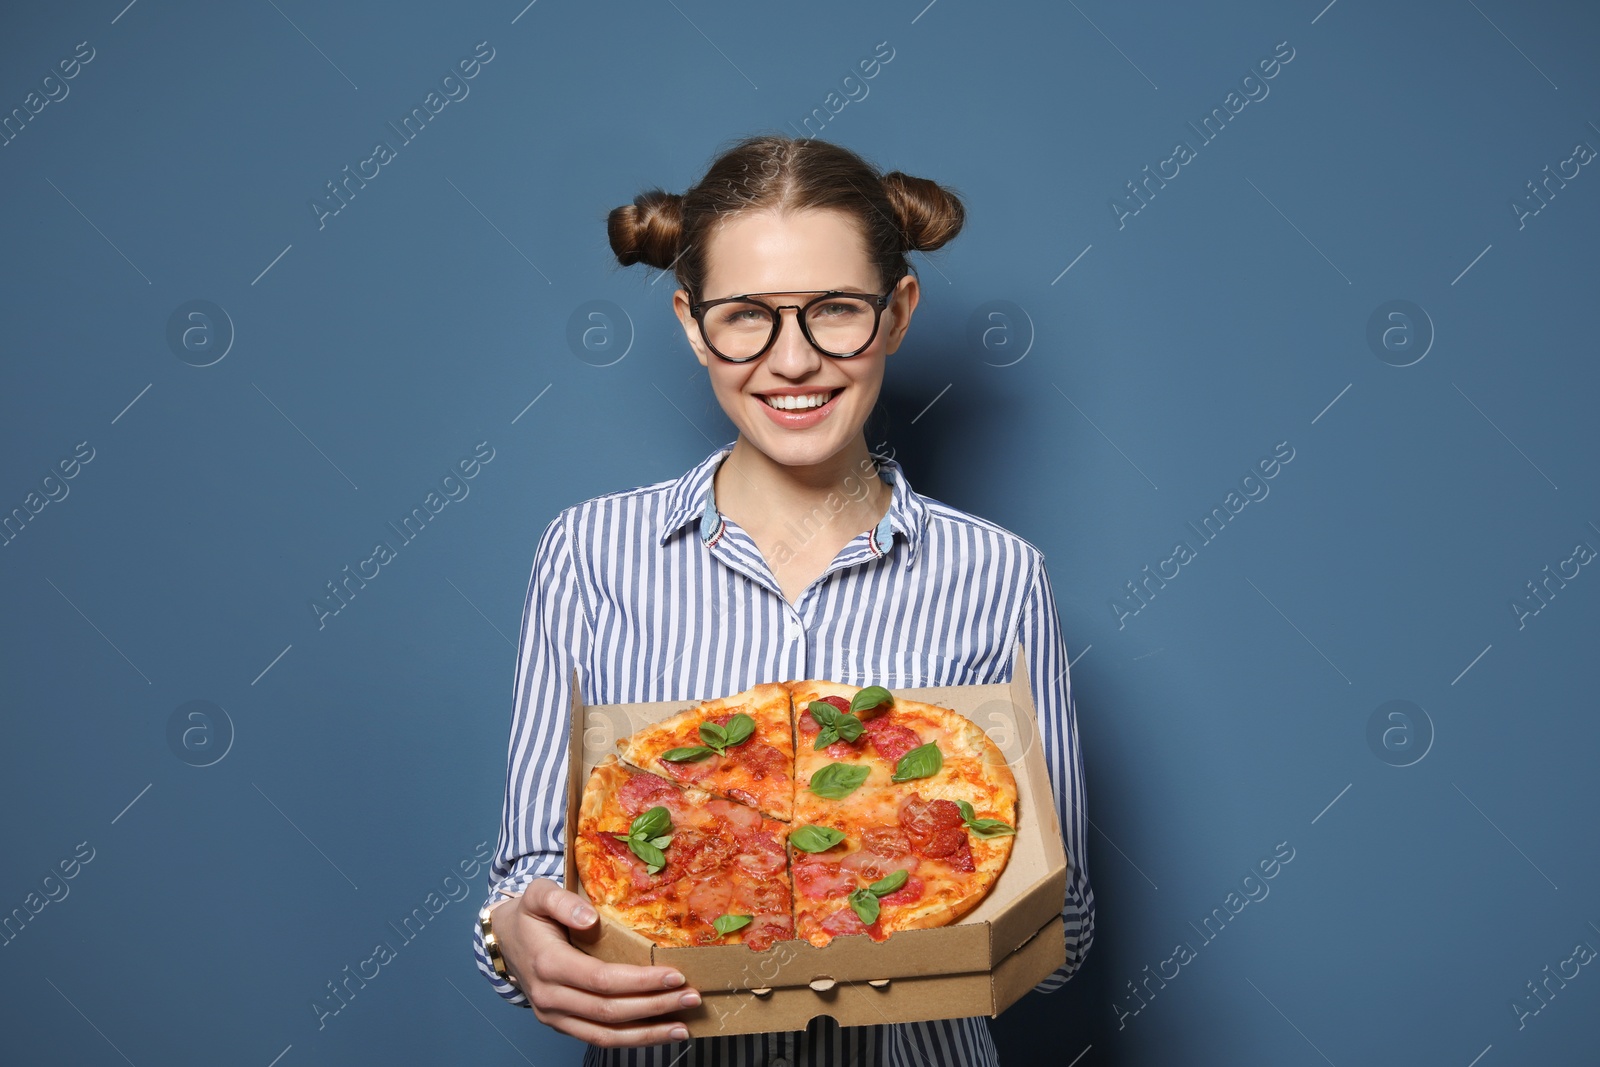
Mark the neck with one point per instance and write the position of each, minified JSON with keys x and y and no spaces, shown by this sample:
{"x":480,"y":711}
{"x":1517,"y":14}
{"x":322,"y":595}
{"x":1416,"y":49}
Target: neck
{"x":761,"y":494}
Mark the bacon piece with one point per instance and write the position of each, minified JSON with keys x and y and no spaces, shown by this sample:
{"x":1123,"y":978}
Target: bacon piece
{"x":846,"y":921}
{"x":762,"y":863}
{"x":765,"y":929}
{"x":709,"y":899}
{"x":698,"y":852}
{"x":890,"y":740}
{"x":885,"y":840}
{"x":909,"y":893}
{"x":771,"y":895}
{"x":738,"y":817}
{"x":689,"y":770}
{"x":843,"y":750}
{"x":871,"y":866}
{"x":817,"y":880}
{"x":762,"y":760}
{"x":642,"y":792}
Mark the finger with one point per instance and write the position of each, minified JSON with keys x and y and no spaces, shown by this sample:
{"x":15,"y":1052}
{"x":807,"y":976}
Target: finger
{"x":557,"y":961}
{"x":611,"y":1011}
{"x":548,"y":900}
{"x":617,"y":1036}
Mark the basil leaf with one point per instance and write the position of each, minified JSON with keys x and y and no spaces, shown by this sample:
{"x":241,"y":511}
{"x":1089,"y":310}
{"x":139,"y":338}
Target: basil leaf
{"x":688,"y":754}
{"x":661,"y":842}
{"x":983,"y":828}
{"x":888,"y":883}
{"x":714,"y":735}
{"x":623,"y":837}
{"x":849,"y":727}
{"x":653,"y":859}
{"x":727,"y":924}
{"x":838,"y":780}
{"x":652,"y":823}
{"x":923,"y":761}
{"x":739,"y":729}
{"x":815,"y":838}
{"x":870,"y":697}
{"x":823,"y":712}
{"x":865,"y":905}
{"x":835,"y":724}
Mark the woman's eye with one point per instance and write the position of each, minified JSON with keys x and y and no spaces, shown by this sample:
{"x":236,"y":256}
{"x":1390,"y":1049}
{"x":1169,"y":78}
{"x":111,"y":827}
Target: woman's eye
{"x":837,"y":310}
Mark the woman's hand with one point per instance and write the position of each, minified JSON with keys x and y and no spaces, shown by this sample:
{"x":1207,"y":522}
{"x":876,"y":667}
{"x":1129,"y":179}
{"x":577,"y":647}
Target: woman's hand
{"x":601,"y":1003}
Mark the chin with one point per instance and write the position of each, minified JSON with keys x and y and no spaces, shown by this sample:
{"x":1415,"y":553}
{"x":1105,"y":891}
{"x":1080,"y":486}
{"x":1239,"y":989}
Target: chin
{"x":802,"y":448}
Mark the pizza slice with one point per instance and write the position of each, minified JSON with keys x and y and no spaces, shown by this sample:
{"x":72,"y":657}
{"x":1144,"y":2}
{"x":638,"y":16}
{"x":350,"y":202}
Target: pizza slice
{"x":739,"y":747}
{"x":678,"y":865}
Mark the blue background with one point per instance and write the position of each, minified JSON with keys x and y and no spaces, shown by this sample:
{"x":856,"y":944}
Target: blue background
{"x":1107,"y":407}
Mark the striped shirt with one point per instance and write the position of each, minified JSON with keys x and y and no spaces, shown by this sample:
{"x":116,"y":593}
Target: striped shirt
{"x":654,"y":595}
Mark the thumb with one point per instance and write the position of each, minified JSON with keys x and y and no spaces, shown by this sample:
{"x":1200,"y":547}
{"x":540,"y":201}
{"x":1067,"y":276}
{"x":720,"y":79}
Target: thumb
{"x":546,"y":899}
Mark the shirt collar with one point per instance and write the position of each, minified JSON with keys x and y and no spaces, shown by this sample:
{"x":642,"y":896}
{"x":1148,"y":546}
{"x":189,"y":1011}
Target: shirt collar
{"x":692,"y":497}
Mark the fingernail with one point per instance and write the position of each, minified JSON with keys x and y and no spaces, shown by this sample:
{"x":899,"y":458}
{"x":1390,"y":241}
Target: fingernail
{"x":673,"y":980}
{"x":679,"y":1033}
{"x":690,"y":1000}
{"x":583,"y":915}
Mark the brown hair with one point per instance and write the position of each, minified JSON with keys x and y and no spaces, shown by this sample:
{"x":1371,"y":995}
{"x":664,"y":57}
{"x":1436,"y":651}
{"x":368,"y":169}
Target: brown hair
{"x":896,"y":212}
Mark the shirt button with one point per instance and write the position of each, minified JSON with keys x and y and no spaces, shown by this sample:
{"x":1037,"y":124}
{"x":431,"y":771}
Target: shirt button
{"x":780,"y":1062}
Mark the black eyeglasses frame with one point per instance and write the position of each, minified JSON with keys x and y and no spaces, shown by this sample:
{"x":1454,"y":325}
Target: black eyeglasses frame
{"x":877,"y":301}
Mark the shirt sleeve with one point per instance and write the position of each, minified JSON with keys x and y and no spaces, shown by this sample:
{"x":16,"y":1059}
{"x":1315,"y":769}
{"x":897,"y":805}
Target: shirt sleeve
{"x":1046,"y":654}
{"x":533,"y":817}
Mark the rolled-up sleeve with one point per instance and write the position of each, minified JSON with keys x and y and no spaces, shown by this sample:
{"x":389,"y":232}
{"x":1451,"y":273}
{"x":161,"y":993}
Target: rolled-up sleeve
{"x":1046,"y":654}
{"x":555,"y":629}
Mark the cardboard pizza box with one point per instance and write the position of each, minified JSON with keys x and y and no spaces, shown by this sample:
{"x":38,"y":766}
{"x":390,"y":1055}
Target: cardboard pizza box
{"x":980,"y":965}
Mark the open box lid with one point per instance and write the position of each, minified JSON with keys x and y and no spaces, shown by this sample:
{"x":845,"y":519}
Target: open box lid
{"x":1028,"y":894}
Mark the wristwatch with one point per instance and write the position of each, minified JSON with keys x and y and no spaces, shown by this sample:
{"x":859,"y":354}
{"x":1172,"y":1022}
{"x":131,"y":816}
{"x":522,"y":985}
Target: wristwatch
{"x":491,"y":946}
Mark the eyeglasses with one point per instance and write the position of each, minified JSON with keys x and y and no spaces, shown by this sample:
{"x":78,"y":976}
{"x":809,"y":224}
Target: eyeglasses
{"x":739,"y":329}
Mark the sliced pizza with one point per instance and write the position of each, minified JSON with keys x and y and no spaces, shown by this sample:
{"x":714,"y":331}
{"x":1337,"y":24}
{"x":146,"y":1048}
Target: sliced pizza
{"x":740,"y":747}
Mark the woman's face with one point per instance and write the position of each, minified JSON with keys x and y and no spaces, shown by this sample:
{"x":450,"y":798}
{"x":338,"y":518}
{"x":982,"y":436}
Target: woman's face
{"x":797,"y":254}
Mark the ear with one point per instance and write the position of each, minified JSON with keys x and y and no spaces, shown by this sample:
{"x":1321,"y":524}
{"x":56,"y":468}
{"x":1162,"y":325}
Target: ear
{"x":691,"y":328}
{"x":901,"y":305}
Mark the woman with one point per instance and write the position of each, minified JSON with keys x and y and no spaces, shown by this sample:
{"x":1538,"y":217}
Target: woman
{"x":793,"y":553}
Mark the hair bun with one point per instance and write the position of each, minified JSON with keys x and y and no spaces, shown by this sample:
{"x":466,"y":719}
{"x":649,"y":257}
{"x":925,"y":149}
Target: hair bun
{"x":928,"y":214}
{"x":649,"y":230}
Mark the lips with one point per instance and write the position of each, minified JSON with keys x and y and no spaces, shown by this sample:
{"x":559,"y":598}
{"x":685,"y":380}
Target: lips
{"x":801,"y":418}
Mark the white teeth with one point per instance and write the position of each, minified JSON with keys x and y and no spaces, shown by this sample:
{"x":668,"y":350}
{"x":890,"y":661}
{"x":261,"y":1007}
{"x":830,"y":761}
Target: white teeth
{"x":798,"y":403}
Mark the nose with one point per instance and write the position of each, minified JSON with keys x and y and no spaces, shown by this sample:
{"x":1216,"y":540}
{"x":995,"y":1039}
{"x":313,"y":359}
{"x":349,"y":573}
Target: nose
{"x":792,"y":355}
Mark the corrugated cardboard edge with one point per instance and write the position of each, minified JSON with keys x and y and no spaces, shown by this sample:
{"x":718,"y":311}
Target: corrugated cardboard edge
{"x":901,"y":1000}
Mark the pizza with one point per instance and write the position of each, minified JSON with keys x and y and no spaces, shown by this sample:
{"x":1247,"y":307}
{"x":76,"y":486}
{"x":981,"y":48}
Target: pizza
{"x":884,"y":814}
{"x":739,"y":747}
